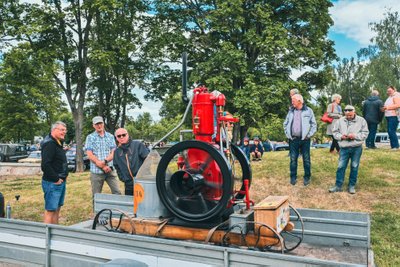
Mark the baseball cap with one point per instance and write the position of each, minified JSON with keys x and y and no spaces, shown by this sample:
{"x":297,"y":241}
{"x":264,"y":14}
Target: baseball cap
{"x":97,"y":119}
{"x":349,"y":107}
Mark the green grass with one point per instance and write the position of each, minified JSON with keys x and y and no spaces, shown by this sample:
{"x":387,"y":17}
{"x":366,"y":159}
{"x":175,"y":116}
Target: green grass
{"x":377,"y":193}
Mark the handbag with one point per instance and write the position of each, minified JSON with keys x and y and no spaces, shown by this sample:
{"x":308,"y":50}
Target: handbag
{"x":326,"y":118}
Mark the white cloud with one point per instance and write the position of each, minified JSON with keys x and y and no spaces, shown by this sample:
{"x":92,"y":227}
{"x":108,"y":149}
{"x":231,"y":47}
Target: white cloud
{"x":296,"y":73}
{"x":39,"y":2}
{"x":148,"y":106}
{"x":352,"y":17}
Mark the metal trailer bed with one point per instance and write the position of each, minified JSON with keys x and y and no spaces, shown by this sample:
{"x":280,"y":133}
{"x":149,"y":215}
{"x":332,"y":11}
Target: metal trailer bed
{"x":331,"y":238}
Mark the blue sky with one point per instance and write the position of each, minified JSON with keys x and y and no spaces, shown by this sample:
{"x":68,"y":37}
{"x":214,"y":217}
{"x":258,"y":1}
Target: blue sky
{"x":351,"y":18}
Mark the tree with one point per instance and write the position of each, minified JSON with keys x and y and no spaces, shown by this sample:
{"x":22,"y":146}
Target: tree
{"x":65,"y":35}
{"x":376,"y":66}
{"x":28,"y":98}
{"x":383,"y":55}
{"x":245,"y":49}
{"x":388,"y":43}
{"x":117,"y":66}
{"x":58,"y":32}
{"x":350,"y":81}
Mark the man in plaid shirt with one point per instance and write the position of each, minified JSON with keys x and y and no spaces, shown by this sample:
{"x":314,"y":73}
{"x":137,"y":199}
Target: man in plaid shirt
{"x":100,"y":146}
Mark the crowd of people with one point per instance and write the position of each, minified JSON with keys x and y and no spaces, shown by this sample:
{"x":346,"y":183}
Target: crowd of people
{"x":347,"y":129}
{"x":109,"y":162}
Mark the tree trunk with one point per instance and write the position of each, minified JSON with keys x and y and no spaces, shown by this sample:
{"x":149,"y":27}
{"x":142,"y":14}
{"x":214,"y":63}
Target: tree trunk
{"x":123,"y":104}
{"x":243,"y":133}
{"x":78,"y":122}
{"x":236,"y":134}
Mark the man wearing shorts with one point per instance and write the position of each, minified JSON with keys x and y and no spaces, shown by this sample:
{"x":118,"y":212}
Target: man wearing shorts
{"x":55,"y":171}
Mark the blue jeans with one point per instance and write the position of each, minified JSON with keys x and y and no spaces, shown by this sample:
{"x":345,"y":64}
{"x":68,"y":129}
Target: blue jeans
{"x":347,"y":153}
{"x":297,"y":146}
{"x":370,"y":141}
{"x":392,"y":123}
{"x":53,"y":195}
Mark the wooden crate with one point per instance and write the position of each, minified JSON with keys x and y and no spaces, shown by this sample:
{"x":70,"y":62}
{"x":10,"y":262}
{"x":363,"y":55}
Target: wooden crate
{"x":272,"y":211}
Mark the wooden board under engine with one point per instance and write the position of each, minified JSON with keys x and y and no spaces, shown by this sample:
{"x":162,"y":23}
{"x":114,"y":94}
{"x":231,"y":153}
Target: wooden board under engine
{"x":160,"y":228}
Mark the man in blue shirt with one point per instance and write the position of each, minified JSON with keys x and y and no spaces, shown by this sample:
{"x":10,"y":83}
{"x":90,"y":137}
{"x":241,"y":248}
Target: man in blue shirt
{"x":100,"y":146}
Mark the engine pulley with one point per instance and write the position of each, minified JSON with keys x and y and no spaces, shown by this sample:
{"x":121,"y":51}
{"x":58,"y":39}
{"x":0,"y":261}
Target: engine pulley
{"x":201,"y":183}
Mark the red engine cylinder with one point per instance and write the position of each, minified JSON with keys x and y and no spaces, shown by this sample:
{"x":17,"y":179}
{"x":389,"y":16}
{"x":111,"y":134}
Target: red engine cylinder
{"x":203,"y":114}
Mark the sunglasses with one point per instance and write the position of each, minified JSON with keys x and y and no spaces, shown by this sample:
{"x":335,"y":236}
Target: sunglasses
{"x":348,"y":110}
{"x":121,"y":135}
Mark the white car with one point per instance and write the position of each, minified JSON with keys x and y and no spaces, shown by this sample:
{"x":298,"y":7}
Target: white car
{"x":34,"y":157}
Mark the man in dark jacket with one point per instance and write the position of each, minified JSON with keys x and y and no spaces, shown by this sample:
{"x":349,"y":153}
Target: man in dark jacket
{"x":128,"y":157}
{"x":373,"y":115}
{"x":55,"y":171}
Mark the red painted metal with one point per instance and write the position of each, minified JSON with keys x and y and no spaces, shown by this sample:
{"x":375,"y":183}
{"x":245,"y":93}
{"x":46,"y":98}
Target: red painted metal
{"x":208,"y":117}
{"x":207,"y":107}
{"x":203,"y":105}
{"x":246,"y":186}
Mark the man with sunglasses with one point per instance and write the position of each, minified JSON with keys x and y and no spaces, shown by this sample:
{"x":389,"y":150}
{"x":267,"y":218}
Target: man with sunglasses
{"x":128,"y":157}
{"x":350,"y":131}
{"x":100,"y":146}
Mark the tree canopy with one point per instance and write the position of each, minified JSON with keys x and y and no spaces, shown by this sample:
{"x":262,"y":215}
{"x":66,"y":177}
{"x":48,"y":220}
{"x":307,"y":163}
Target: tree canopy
{"x":246,"y":49}
{"x":29,"y":101}
{"x":99,"y":52}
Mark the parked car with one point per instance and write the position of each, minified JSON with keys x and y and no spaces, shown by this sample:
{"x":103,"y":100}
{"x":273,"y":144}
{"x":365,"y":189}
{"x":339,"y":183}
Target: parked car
{"x":12,"y":152}
{"x":382,"y":139}
{"x":280,"y":146}
{"x":71,"y":158}
{"x":34,"y":157}
{"x":323,"y":145}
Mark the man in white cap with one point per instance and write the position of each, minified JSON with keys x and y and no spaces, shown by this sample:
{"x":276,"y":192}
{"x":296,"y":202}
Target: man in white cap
{"x":350,"y":131}
{"x":100,"y":146}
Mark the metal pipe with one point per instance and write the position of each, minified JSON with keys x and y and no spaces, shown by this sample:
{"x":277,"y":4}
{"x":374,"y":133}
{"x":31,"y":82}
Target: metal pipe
{"x":184,"y":77}
{"x":176,"y":127}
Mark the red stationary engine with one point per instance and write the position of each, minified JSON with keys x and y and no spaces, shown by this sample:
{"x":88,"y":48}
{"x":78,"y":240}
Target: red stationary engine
{"x":201,"y":186}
